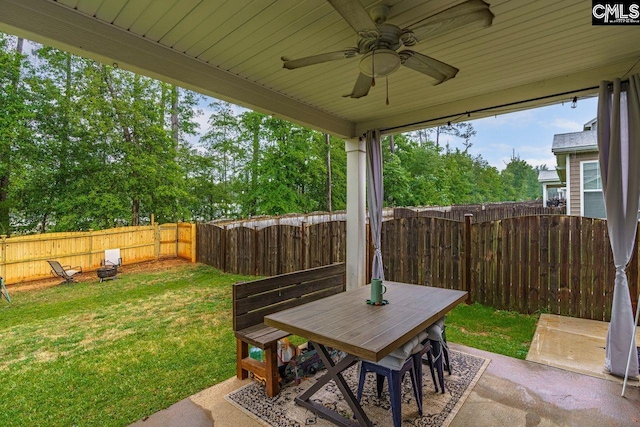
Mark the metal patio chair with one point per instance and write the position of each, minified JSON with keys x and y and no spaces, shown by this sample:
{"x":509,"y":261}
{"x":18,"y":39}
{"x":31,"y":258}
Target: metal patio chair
{"x":64,"y":271}
{"x":3,"y":291}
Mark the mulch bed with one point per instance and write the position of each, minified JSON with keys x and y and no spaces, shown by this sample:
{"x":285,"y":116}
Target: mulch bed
{"x":90,"y":276}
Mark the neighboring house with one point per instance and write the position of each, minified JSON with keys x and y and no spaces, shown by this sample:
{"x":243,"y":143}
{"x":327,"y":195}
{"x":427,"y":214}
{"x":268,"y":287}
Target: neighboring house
{"x":578,"y":169}
{"x":553,"y":190}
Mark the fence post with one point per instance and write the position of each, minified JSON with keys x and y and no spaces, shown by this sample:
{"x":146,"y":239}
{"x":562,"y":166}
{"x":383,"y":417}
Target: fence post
{"x":256,"y":265}
{"x":193,"y":242}
{"x":156,"y":237}
{"x":177,"y":239}
{"x":91,"y":248}
{"x":304,"y":243}
{"x":3,"y":239}
{"x":224,"y":248}
{"x":467,"y":256}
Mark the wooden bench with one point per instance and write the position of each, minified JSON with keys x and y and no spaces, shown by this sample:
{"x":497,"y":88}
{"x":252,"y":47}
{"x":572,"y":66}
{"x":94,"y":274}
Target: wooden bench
{"x":256,"y":299}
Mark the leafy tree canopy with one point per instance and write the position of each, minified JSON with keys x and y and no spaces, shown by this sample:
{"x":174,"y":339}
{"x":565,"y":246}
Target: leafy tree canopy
{"x":85,"y":145}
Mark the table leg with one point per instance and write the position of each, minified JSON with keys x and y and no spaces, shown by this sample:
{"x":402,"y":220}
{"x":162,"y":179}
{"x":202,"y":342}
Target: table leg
{"x":334,"y":372}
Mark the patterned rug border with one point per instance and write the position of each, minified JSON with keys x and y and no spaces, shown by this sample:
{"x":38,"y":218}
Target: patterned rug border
{"x":242,"y":408}
{"x":446,"y":422}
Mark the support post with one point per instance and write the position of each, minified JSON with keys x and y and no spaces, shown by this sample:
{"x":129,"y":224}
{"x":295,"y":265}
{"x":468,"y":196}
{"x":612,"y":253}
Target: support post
{"x":356,"y":213}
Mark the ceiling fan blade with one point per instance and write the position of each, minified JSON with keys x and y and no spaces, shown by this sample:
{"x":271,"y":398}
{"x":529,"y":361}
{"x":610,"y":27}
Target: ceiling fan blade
{"x":292,"y":64}
{"x":469,"y":12}
{"x":362,"y":86}
{"x":355,"y":14}
{"x":433,"y":68}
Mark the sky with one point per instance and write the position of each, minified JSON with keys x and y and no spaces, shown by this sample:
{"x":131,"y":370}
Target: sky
{"x":527,"y":134}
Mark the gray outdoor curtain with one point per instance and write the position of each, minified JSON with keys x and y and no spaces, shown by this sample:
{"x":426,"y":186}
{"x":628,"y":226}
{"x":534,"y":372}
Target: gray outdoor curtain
{"x":619,"y":152}
{"x":374,"y":197}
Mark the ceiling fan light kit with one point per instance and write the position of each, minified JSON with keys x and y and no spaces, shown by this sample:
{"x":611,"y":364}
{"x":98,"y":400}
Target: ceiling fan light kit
{"x":380,"y":62}
{"x":379,"y":41}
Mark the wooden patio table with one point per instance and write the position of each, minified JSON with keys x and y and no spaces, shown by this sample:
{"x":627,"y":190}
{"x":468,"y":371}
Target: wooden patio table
{"x":345,"y":322}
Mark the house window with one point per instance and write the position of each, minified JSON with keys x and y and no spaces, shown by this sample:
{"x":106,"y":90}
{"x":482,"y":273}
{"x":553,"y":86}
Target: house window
{"x":592,"y":196}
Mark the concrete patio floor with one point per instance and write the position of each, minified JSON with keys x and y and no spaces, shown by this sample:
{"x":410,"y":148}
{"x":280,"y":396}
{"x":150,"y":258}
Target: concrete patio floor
{"x":575,"y":345}
{"x":511,"y":392}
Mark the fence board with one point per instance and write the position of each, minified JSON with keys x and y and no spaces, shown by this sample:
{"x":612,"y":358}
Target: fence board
{"x":440,"y":251}
{"x":457,"y":252}
{"x":495,"y":268}
{"x":448,"y":255}
{"x":564,"y":283}
{"x":599,"y":270}
{"x":587,"y":267}
{"x":487,"y":291}
{"x":502,"y":285}
{"x":421,"y":251}
{"x":554,"y":245}
{"x":544,"y":263}
{"x":575,"y":243}
{"x":513,"y":264}
{"x":429,"y":252}
{"x":523,"y":264}
{"x":534,"y":266}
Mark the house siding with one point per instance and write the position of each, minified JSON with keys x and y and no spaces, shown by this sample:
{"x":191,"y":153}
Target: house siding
{"x":574,"y":179}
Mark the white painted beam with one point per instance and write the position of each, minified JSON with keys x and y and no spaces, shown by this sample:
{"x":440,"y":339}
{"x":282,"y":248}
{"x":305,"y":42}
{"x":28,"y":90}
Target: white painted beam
{"x":356,"y":213}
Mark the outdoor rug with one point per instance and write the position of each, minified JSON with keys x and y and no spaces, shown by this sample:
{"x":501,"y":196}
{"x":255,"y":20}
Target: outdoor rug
{"x":438,"y":409}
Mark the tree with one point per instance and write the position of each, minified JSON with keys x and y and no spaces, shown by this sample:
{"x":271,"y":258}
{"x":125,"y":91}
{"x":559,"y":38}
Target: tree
{"x":15,"y":115}
{"x":291,"y":175}
{"x":328,"y":142}
{"x":106,"y":151}
{"x":520,"y":180}
{"x":251,"y":124}
{"x":395,"y":181}
{"x":488,"y":185}
{"x":460,"y":130}
{"x":427,"y":175}
{"x":225,"y":154}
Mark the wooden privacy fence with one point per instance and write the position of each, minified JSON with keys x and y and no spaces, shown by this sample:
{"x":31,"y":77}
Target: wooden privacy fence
{"x":25,"y":258}
{"x":545,"y":263}
{"x":557,"y":264}
{"x":489,"y":212}
{"x":272,"y":250}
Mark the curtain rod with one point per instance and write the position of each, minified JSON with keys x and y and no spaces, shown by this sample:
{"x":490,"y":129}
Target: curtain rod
{"x":480,"y":110}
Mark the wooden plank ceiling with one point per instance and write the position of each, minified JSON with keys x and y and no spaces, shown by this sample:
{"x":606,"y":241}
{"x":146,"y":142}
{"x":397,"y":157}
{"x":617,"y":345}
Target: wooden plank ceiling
{"x":231,"y":49}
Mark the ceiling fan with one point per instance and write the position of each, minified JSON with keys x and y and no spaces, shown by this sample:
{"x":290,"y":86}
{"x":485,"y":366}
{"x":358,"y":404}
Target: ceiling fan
{"x":379,"y":41}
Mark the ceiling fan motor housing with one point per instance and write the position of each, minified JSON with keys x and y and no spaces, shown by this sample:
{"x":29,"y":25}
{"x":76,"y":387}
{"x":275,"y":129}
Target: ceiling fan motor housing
{"x":380,"y":57}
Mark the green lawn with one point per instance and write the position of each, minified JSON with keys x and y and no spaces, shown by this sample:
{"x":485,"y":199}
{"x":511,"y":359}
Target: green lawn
{"x":497,"y":331}
{"x":108,"y":354}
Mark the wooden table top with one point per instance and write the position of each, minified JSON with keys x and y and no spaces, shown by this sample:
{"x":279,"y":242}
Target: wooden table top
{"x":345,"y":322}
